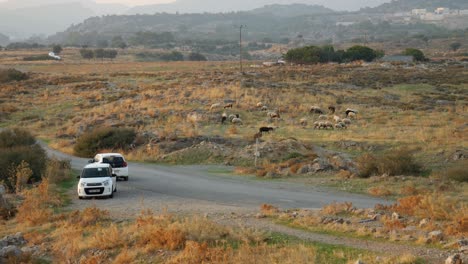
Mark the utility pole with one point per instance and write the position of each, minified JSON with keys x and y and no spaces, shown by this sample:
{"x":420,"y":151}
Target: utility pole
{"x":240,"y":47}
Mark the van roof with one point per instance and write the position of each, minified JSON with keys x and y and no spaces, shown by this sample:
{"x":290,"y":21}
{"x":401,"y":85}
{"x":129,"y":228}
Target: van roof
{"x":110,"y":154}
{"x":97,"y":165}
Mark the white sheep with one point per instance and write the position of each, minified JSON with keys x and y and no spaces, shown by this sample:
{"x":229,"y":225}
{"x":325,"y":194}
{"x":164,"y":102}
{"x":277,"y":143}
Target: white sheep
{"x":231,"y":116}
{"x":336,"y":118}
{"x":303,"y":122}
{"x":259,"y":104}
{"x":323,"y":117}
{"x":347,"y":121}
{"x":273,"y":114}
{"x":340,"y":125}
{"x":264,"y":108}
{"x":316,"y":110}
{"x":237,"y":121}
{"x":216,"y":105}
{"x":351,"y":112}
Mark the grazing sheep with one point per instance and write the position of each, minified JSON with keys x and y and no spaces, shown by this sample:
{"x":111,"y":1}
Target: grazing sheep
{"x":340,"y":125}
{"x":352,"y":115}
{"x":332,"y":109}
{"x":317,"y":124}
{"x":264,"y":108}
{"x":236,"y":121}
{"x":259,"y":104}
{"x":273,"y":114}
{"x":213,"y":106}
{"x":351,"y":112}
{"x":223,"y":118}
{"x":231,"y":116}
{"x":336,"y":118}
{"x":316,"y":110}
{"x":347,"y":121}
{"x":328,"y":125}
{"x":257,"y":135}
{"x":324,"y":125}
{"x":323,"y":117}
{"x":303,"y":122}
{"x":229,"y":105}
{"x":265,"y":129}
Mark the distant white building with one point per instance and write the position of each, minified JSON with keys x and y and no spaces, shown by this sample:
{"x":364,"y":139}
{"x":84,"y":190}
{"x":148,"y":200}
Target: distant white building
{"x":463,"y":12}
{"x":344,"y":23}
{"x":442,"y":11}
{"x":418,"y":12}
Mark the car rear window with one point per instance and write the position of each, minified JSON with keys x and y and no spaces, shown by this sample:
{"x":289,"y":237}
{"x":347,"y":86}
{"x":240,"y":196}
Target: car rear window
{"x":95,"y":173}
{"x":114,"y":161}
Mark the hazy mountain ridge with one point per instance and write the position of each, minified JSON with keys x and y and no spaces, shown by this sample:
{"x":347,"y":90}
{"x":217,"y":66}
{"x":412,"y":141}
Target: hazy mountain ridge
{"x":407,"y":5}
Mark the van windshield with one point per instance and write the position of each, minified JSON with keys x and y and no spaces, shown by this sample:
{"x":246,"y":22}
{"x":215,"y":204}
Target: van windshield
{"x":114,"y":161}
{"x":95,"y":173}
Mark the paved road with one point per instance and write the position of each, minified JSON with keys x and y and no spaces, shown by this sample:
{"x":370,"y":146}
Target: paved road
{"x":196,"y":183}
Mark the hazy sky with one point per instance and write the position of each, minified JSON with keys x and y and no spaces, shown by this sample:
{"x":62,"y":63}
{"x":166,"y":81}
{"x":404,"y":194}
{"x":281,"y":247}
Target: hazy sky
{"x":135,"y":2}
{"x":125,"y":2}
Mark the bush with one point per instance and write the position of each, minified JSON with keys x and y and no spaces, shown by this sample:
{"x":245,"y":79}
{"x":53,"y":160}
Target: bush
{"x":57,"y":49}
{"x":86,"y":54}
{"x":360,"y":53}
{"x":394,"y":162}
{"x":8,"y":75}
{"x":417,"y":54}
{"x":19,"y":147}
{"x":195,"y":56}
{"x":103,"y":138}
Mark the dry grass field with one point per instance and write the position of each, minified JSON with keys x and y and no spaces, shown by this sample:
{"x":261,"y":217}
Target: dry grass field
{"x":417,"y":111}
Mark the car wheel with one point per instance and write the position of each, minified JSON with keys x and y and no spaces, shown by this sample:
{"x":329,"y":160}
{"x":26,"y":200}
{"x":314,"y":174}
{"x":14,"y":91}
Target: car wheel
{"x":112,"y":195}
{"x":115,"y":189}
{"x":79,"y":197}
{"x":126,"y":178}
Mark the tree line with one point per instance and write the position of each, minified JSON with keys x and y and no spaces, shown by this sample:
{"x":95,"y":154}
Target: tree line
{"x":98,"y":53}
{"x":327,"y":53}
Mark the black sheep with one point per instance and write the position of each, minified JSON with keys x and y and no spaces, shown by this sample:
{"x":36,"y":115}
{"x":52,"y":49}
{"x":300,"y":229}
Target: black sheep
{"x":265,"y":129}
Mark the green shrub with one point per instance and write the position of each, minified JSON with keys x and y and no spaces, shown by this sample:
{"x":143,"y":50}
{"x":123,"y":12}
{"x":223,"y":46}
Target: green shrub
{"x":17,"y":146}
{"x":393,"y":162}
{"x":103,"y":138}
{"x":417,"y":54}
{"x":8,"y":75}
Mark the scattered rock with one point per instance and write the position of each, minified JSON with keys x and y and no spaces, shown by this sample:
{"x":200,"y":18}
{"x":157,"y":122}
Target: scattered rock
{"x":459,"y":155}
{"x":395,"y":216}
{"x":10,"y":252}
{"x":436,"y":235}
{"x":423,"y":222}
{"x":13,"y":240}
{"x":260,"y":215}
{"x":454,"y":259}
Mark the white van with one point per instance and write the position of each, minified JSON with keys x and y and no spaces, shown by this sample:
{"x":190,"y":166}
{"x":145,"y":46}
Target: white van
{"x":116,"y":160}
{"x":97,"y":180}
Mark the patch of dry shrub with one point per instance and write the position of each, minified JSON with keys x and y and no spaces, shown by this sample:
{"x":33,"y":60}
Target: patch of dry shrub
{"x":379,"y":191}
{"x":337,"y":208}
{"x":88,"y":217}
{"x":36,"y":207}
{"x":268,"y":209}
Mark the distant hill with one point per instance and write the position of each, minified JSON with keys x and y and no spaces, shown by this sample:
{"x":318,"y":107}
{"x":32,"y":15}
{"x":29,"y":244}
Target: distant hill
{"x":407,"y":5}
{"x":291,"y":10}
{"x":23,"y":18}
{"x":214,"y":6}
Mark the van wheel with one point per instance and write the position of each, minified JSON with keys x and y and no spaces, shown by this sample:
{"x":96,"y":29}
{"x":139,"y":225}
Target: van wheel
{"x":111,"y":195}
{"x":79,"y":197}
{"x":115,"y":189}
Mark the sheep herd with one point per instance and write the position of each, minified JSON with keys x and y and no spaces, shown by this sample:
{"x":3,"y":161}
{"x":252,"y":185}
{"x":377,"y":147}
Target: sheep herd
{"x":325,"y":120}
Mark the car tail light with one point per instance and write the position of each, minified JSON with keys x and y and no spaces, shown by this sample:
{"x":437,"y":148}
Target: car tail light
{"x":125,"y":164}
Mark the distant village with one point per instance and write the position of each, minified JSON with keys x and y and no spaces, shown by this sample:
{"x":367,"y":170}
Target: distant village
{"x":451,"y":18}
